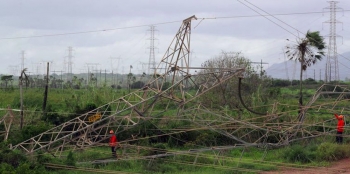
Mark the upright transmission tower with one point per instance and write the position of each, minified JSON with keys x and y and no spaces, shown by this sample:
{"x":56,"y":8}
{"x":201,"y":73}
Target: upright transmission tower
{"x":151,"y":60}
{"x":69,"y":63}
{"x":332,"y":69}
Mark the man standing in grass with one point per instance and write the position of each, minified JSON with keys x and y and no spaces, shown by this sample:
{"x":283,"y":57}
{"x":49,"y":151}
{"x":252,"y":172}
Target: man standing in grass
{"x":340,"y":128}
{"x":113,"y":142}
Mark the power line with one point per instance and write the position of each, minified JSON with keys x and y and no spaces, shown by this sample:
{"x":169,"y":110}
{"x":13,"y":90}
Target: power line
{"x":162,"y":23}
{"x":278,"y":14}
{"x":85,"y":32}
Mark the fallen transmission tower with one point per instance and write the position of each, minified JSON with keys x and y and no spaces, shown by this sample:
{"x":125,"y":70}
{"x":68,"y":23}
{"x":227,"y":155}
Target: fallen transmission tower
{"x":128,"y":111}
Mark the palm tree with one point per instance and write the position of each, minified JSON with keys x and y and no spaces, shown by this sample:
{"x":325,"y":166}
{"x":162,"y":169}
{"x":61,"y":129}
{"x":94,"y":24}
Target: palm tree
{"x":307,"y":51}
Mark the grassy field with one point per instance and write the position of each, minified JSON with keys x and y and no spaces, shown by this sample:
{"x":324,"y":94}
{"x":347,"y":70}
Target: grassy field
{"x":68,"y":102}
{"x":237,"y":160}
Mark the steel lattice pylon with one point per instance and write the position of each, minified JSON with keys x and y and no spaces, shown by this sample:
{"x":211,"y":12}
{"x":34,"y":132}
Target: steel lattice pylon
{"x":131,"y":109}
{"x":332,"y":67}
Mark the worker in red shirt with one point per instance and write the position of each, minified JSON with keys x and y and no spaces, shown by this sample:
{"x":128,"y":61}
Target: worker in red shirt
{"x":113,"y":142}
{"x":340,"y":128}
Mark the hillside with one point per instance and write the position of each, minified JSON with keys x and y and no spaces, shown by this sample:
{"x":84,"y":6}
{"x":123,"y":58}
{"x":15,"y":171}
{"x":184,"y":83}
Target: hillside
{"x":291,"y":70}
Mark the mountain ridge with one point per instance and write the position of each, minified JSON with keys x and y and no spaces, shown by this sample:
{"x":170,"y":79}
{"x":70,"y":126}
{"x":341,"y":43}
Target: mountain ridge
{"x":290,"y":69}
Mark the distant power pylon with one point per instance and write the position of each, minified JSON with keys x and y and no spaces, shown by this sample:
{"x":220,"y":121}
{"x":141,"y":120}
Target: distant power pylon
{"x":22,"y":60}
{"x":116,"y":72}
{"x":151,"y":60}
{"x":69,"y":64}
{"x":332,"y":69}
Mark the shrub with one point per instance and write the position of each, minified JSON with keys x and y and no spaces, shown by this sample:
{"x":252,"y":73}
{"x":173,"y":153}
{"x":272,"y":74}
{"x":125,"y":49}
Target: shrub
{"x":6,"y":168}
{"x":331,"y":152}
{"x":32,"y":130}
{"x":298,"y":153}
{"x":12,"y":158}
{"x":53,"y":117}
{"x":24,"y":168}
{"x":70,"y":161}
{"x":42,"y":158}
{"x":326,"y":151}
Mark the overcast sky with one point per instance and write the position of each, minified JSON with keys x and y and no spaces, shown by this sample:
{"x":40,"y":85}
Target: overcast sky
{"x":43,"y":30}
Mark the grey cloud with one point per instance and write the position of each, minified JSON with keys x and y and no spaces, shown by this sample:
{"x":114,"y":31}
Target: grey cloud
{"x":43,"y":17}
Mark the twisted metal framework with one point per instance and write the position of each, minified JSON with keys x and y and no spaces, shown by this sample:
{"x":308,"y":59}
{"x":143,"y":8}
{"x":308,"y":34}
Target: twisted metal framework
{"x":276,"y":129}
{"x":131,"y":109}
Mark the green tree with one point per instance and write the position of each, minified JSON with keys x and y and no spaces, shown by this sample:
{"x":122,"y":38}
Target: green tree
{"x":6,"y":79}
{"x":307,"y":51}
{"x":254,"y":86}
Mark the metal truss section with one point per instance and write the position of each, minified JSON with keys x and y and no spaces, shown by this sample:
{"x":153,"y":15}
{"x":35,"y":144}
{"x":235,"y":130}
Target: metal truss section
{"x":326,"y":97}
{"x":275,"y":129}
{"x":7,"y":120}
{"x":176,"y":60}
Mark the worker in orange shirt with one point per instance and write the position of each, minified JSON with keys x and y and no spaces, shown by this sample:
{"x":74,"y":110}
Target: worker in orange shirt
{"x":113,"y":142}
{"x":340,"y":128}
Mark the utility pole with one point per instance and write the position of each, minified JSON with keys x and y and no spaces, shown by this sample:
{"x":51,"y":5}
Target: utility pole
{"x":332,"y":55}
{"x":46,"y":90}
{"x":151,"y":59}
{"x":261,"y":66}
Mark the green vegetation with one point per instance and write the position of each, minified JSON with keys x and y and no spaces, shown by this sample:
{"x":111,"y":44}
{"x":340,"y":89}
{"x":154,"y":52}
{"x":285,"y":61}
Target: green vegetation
{"x":166,"y":135}
{"x":238,"y":160}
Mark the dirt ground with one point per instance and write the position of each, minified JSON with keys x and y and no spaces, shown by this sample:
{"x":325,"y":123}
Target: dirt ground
{"x":341,"y":166}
